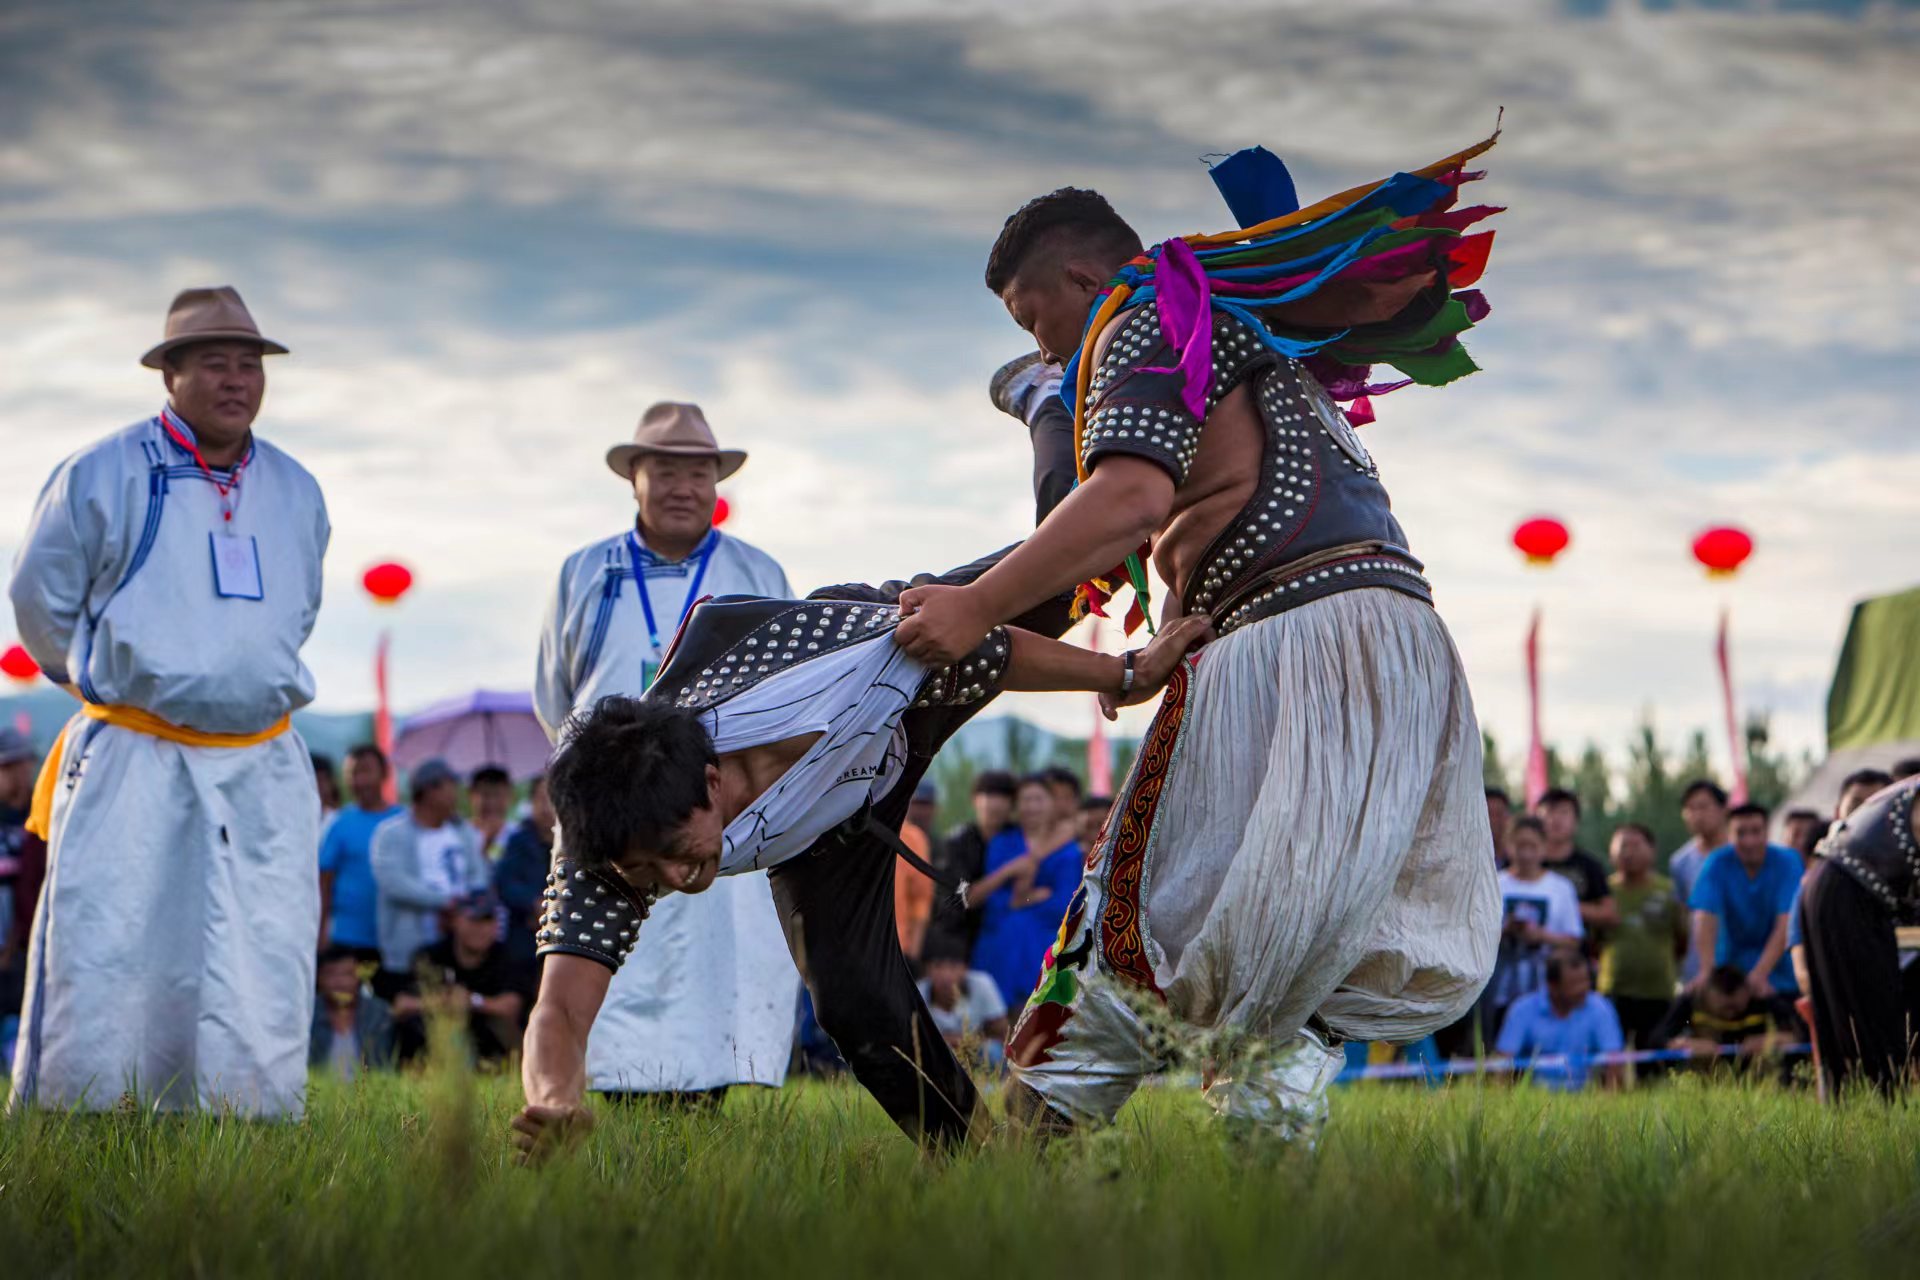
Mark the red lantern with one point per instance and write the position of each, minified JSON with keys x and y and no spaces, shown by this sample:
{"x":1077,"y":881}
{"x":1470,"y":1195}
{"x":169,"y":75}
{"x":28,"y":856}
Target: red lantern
{"x":1541,"y":539}
{"x":386,"y":583}
{"x":1722,"y":550}
{"x":17,"y":664}
{"x":721,"y":510}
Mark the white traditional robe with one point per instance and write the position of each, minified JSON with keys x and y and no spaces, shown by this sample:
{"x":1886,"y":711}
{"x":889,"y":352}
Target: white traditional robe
{"x":709,"y":994}
{"x":173,"y":948}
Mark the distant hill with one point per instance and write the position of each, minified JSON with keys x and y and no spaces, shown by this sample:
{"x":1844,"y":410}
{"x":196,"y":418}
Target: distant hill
{"x":999,"y":742}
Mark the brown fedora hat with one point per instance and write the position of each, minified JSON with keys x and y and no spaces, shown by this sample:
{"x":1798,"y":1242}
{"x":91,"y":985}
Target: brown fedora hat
{"x":208,"y":315}
{"x":673,"y":428}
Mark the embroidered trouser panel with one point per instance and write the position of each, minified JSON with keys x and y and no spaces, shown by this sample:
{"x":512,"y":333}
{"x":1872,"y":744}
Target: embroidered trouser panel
{"x":1303,"y":832}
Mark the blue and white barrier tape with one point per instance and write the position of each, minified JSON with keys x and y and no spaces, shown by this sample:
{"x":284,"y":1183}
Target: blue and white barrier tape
{"x":1545,"y":1065}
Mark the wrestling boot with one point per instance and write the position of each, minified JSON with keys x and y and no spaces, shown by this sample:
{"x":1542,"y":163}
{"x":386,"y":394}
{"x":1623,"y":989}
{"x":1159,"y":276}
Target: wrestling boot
{"x":1019,"y":387}
{"x":1282,"y":1095}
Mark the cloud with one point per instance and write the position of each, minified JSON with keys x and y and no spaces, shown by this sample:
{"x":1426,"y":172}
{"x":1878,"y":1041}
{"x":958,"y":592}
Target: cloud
{"x":494,"y":233}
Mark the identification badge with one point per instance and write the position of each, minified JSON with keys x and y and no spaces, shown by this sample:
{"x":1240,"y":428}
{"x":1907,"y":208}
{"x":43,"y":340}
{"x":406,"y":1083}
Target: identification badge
{"x":236,"y":567}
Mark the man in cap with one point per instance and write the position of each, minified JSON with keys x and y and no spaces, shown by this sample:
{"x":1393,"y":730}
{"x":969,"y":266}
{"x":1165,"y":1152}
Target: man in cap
{"x":169,"y":577}
{"x":707,"y":999}
{"x":424,"y":860}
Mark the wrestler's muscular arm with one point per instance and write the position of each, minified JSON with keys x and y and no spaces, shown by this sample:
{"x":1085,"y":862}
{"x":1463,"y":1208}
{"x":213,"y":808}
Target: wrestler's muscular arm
{"x":553,"y":1069}
{"x":1038,"y":664}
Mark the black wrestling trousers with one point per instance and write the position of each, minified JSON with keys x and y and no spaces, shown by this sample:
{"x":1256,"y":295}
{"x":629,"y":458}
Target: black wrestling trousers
{"x":1862,"y":1009}
{"x":836,"y":902}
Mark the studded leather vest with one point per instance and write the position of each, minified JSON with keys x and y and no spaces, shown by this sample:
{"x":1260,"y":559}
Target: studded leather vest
{"x":727,"y":646}
{"x":1318,"y":521}
{"x":1875,"y":846}
{"x":731,"y":643}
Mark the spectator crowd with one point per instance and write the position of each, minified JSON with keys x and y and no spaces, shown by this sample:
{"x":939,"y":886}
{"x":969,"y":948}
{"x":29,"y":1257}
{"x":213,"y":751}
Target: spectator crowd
{"x":1597,"y":959}
{"x":430,"y":906}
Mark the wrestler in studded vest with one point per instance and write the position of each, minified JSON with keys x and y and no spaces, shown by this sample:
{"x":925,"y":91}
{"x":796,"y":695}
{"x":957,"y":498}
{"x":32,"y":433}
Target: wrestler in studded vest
{"x":1318,"y":520}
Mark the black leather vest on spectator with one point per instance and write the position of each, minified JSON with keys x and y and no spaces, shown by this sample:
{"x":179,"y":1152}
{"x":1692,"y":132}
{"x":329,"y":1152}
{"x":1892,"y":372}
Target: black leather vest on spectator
{"x":1875,"y":846}
{"x":1318,"y":521}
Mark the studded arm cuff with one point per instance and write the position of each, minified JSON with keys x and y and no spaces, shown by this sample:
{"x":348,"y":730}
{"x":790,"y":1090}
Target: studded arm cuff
{"x":974,"y":678}
{"x":588,"y":914}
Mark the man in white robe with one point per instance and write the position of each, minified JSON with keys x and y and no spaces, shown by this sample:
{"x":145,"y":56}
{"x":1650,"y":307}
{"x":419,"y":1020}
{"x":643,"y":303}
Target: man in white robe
{"x":708,"y":999}
{"x":169,"y":578}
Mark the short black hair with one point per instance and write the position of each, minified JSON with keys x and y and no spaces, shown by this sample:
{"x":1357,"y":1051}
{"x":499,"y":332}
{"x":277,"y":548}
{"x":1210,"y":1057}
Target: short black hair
{"x":941,"y":947}
{"x":1749,"y":810}
{"x":629,"y":773}
{"x":1060,"y":775}
{"x":1875,"y":778}
{"x":1904,"y":769}
{"x":323,"y":763}
{"x":1038,"y":778}
{"x":1071,"y":215}
{"x":1728,"y":979}
{"x":1559,"y":795}
{"x":1526,"y":823}
{"x":334,"y":953}
{"x":1559,"y":960}
{"x":994,"y":782}
{"x":490,"y":775}
{"x":367,"y":749}
{"x":1496,"y":793}
{"x":1090,"y":804}
{"x":1710,"y":787}
{"x":1640,"y":829}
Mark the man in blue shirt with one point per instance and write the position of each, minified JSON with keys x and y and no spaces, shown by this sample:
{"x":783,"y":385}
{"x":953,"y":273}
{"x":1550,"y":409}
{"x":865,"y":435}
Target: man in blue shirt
{"x":1741,"y":903}
{"x":1566,"y":1018}
{"x":348,"y":897}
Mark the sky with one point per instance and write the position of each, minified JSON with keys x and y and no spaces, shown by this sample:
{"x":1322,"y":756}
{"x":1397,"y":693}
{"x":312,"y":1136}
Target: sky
{"x":493,"y":234}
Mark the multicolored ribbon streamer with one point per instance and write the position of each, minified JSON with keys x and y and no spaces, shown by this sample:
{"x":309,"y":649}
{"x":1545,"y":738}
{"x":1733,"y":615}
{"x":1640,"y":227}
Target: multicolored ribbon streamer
{"x":1377,"y":274}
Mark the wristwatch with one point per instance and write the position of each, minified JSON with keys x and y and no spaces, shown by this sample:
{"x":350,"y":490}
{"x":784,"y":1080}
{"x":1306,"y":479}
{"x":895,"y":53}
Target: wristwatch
{"x":475,"y":1000}
{"x":1126,"y":674}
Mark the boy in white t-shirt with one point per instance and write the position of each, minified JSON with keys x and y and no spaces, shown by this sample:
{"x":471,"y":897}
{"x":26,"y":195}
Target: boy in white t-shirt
{"x":1540,"y":910}
{"x":966,"y":1004}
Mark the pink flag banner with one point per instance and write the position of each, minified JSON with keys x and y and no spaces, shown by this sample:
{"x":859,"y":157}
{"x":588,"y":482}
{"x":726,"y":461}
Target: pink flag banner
{"x":1736,"y":750}
{"x":382,"y":710}
{"x":1536,"y":744}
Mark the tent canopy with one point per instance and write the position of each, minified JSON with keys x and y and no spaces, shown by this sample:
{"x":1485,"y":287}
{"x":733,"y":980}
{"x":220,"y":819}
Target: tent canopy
{"x":1875,"y":696}
{"x":1873,"y":706}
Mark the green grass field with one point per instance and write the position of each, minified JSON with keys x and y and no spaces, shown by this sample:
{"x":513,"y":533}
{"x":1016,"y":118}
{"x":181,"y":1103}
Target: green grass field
{"x":413,"y":1176}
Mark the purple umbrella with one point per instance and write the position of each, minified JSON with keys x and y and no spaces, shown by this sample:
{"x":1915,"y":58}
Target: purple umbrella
{"x":474,"y":729}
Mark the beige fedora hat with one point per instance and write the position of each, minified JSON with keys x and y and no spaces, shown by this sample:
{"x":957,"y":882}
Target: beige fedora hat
{"x":674,"y":428}
{"x":209,"y":315}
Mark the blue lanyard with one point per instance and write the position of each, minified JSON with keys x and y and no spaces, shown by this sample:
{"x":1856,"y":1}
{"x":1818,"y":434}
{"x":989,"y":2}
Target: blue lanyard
{"x":635,"y":554}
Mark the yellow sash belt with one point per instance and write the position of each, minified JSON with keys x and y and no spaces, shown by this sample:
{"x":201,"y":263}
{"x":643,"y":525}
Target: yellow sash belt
{"x":40,"y":816}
